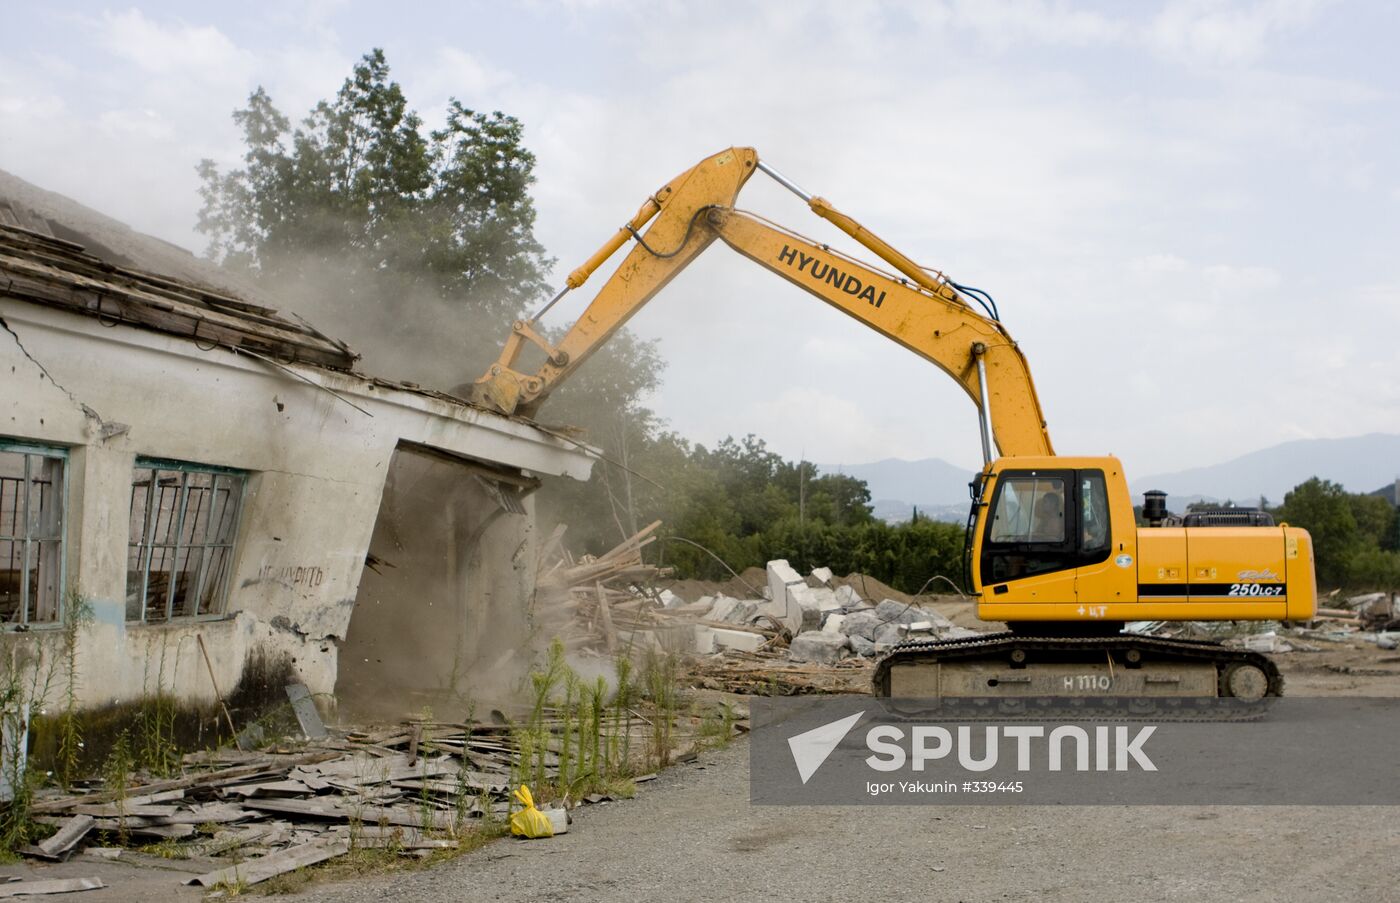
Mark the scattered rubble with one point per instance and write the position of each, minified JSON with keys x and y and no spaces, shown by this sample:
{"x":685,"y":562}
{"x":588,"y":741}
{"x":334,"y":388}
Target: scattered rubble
{"x":415,"y":788}
{"x":1368,"y":617}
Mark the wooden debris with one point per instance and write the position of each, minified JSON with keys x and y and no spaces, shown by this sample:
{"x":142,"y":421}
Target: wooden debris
{"x":270,"y":866}
{"x":765,"y":673}
{"x":62,"y":842}
{"x":53,"y":886}
{"x":305,"y":709}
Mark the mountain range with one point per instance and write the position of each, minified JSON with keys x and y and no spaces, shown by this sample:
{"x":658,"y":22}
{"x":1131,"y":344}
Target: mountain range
{"x":1359,"y":463}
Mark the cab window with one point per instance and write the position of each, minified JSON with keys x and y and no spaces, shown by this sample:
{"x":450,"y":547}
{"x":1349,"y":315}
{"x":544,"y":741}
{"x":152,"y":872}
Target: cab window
{"x":1093,"y":508}
{"x":1030,"y":509}
{"x":1045,"y":521}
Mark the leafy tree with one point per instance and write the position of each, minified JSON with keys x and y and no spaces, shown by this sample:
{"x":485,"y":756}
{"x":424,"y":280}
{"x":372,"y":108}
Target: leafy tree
{"x":362,"y":203}
{"x":1322,"y":508}
{"x":1376,"y":569}
{"x":1373,"y":516}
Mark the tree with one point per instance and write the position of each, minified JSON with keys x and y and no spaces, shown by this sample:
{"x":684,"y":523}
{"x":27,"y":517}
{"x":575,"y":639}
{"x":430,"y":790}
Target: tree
{"x":361,"y":204}
{"x":1375,"y":569}
{"x":1323,"y":509}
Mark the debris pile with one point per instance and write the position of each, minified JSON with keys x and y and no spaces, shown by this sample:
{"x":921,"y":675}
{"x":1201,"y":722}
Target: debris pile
{"x":596,"y":602}
{"x":1369,"y":617}
{"x":415,"y":789}
{"x":783,"y":638}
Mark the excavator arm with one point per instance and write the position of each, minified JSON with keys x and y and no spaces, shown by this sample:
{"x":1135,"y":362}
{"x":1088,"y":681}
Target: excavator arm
{"x":919,"y":310}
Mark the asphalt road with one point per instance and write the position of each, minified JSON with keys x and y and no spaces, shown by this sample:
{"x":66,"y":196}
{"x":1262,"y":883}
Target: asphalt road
{"x":692,"y":835}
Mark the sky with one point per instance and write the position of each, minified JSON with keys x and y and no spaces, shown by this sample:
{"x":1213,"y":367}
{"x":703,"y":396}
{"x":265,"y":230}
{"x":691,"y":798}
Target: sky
{"x":1188,"y":212}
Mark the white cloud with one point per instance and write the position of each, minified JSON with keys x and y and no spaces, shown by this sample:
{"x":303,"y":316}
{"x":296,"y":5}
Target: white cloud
{"x":172,"y":49}
{"x":1224,"y":33}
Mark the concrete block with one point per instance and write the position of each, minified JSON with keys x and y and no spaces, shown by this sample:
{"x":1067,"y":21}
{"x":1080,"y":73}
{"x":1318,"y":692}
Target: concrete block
{"x":887,"y":634}
{"x":861,"y":624}
{"x":670,"y":599}
{"x":721,"y":609}
{"x":742,"y":613}
{"x":804,"y":611}
{"x":833,"y":624}
{"x":818,"y":646}
{"x":898,"y":612}
{"x":742,"y":640}
{"x":1366,"y":599}
{"x":823,"y":574}
{"x":704,"y":639}
{"x":783,"y":584}
{"x":861,"y":646}
{"x":847,"y":596}
{"x":769,"y":608}
{"x":780,"y":576}
{"x":826,"y":598}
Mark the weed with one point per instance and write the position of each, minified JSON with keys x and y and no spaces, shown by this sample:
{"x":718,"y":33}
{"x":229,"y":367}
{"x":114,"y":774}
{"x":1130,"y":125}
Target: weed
{"x":116,"y":778}
{"x":77,"y":614}
{"x":659,"y":677}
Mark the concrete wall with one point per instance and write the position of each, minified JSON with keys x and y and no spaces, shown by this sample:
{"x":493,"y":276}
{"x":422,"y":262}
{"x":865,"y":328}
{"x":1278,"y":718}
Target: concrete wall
{"x":317,"y":469}
{"x":438,"y":623}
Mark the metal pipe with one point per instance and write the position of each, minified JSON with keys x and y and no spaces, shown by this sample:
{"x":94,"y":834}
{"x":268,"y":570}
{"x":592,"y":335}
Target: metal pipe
{"x":552,"y":301}
{"x":984,"y":411}
{"x":785,"y":181}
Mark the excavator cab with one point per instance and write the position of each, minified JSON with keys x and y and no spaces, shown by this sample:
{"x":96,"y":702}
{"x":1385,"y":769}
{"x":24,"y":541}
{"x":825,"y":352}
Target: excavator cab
{"x":1050,"y":536}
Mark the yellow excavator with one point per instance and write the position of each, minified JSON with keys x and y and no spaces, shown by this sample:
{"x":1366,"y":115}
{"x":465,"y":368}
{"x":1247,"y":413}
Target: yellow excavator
{"x":1054,"y":546}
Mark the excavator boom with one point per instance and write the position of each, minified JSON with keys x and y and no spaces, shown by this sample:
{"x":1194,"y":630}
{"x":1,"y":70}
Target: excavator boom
{"x":919,"y":310}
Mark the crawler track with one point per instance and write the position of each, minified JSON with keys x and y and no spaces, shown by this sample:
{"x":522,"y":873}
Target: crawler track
{"x":1016,"y":651}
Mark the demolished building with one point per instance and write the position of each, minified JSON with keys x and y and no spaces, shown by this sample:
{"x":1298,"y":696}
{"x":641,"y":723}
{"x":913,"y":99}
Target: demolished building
{"x":192,"y":468}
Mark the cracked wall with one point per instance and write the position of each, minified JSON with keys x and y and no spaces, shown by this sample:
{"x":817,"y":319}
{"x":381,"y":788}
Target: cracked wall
{"x":316,"y":469}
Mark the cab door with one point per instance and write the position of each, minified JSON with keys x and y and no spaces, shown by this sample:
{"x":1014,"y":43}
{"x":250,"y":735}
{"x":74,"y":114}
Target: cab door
{"x":1105,"y":573}
{"x":1029,"y":549}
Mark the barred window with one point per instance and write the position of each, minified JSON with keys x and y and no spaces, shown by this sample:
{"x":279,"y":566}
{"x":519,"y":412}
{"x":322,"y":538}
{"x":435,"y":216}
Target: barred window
{"x":32,"y":500}
{"x":184,"y":519}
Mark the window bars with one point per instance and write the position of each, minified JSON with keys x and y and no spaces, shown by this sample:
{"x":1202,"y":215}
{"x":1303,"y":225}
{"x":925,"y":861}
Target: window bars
{"x":184,"y":520}
{"x":33,"y":499}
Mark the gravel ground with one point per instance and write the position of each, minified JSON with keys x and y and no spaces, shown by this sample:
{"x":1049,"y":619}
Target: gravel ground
{"x":692,"y":835}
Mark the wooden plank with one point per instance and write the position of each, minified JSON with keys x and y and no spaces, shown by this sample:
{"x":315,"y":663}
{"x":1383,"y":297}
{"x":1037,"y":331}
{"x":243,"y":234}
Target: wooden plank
{"x":272,"y":788}
{"x":53,"y":886}
{"x":124,"y":810}
{"x":67,"y":836}
{"x":305,"y":709}
{"x":258,"y":870}
{"x":605,"y":615}
{"x":370,"y":815}
{"x":207,"y":779}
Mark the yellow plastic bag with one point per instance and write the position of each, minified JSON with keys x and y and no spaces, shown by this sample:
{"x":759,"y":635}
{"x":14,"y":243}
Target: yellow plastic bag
{"x":529,"y":821}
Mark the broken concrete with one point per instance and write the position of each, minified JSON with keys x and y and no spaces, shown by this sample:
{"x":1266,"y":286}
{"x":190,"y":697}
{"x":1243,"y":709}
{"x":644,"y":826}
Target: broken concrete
{"x":861,"y":646}
{"x":848,"y":597}
{"x":741,"y":640}
{"x":862,"y":624}
{"x":819,"y":646}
